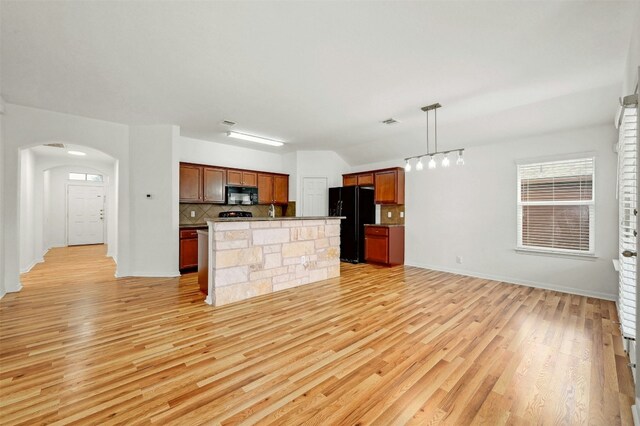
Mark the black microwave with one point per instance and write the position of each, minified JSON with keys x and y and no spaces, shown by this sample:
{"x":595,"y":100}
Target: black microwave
{"x":243,"y":195}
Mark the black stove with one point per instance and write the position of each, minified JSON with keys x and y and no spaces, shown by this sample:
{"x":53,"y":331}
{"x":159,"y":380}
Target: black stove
{"x":235,"y":214}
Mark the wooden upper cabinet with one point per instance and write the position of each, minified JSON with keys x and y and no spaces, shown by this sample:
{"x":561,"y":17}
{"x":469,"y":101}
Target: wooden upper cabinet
{"x":349,"y":180}
{"x":389,"y":186}
{"x":265,"y":188}
{"x":273,"y":189}
{"x":365,"y":179}
{"x":190,"y":183}
{"x":214,"y":182}
{"x":360,"y":179}
{"x":280,"y":189}
{"x":242,"y":178}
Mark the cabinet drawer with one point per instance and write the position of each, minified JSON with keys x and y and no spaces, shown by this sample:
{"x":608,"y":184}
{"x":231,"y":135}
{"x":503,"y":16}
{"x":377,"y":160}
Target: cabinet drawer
{"x":188,"y":233}
{"x":376,"y":230}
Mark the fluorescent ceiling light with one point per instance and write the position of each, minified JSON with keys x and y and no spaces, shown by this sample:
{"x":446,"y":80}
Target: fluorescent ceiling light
{"x":252,"y":138}
{"x":80,"y":153}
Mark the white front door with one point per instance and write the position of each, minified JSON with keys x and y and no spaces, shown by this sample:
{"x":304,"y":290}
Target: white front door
{"x":314,"y":196}
{"x":85,"y":213}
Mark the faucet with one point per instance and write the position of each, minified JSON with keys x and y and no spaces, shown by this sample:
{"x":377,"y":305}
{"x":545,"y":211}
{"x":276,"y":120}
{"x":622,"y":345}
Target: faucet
{"x":272,"y":211}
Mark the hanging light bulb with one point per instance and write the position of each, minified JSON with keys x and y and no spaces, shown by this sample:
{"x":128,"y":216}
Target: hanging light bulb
{"x":419,"y":165}
{"x":407,"y":167}
{"x":460,"y":160}
{"x":445,"y":160}
{"x":432,"y":162}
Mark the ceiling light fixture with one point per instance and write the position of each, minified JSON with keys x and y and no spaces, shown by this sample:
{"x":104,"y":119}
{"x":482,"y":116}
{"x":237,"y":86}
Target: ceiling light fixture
{"x":432,"y":162}
{"x":79,"y":153}
{"x":256,"y":139}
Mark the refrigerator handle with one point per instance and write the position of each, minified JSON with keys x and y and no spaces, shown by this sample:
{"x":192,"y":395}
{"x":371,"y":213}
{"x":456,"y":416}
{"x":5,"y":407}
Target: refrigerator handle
{"x":340,"y":208}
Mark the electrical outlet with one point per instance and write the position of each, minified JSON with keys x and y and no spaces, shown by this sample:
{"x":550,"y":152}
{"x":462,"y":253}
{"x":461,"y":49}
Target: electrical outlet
{"x":193,"y":213}
{"x":303,"y":260}
{"x":459,"y":259}
{"x":401,"y":214}
{"x":389,"y":215}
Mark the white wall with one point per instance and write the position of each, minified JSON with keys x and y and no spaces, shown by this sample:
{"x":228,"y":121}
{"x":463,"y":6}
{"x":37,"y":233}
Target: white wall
{"x":2,"y":199}
{"x":470,"y":211}
{"x":218,"y":154}
{"x":27,"y":205}
{"x":24,"y":127}
{"x":154,"y":220}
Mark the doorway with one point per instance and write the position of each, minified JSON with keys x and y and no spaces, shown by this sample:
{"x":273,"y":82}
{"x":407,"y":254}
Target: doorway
{"x":314,"y":196}
{"x":85,"y":214}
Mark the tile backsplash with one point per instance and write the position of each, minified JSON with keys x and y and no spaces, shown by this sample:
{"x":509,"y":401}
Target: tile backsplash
{"x":395,"y":218}
{"x":203,"y":211}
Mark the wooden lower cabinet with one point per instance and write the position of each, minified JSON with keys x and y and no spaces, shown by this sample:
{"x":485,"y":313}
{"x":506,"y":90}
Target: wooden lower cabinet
{"x":384,"y":244}
{"x":188,"y":248}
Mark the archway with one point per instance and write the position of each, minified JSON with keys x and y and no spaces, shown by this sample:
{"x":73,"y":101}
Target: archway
{"x":46,"y":174}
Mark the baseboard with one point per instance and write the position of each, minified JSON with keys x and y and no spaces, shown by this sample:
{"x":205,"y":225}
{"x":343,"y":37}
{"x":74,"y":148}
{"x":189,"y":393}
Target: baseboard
{"x":527,"y":283}
{"x":635,"y":413}
{"x":28,"y":268}
{"x":17,"y":289}
{"x":2,"y":293}
{"x":149,"y":274}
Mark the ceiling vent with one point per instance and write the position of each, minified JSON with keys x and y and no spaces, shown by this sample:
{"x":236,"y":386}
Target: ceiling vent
{"x":228,"y":123}
{"x":390,"y":121}
{"x":55,"y":145}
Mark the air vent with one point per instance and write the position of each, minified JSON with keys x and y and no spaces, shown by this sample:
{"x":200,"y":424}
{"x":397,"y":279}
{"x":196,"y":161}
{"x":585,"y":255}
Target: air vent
{"x":390,"y":121}
{"x":228,"y":123}
{"x":55,"y":145}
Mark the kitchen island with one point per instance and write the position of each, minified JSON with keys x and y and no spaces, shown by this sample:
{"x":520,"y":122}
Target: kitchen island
{"x":250,"y":257}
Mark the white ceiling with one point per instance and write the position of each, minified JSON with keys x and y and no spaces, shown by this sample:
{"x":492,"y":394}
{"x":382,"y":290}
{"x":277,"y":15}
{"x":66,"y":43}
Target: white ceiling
{"x":321,"y":75}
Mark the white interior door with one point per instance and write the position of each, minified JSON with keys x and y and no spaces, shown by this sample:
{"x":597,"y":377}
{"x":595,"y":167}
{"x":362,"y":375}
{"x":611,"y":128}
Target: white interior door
{"x":314,"y":196}
{"x":85,"y":213}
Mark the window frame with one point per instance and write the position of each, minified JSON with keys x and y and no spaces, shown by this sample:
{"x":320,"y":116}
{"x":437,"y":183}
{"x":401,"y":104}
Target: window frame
{"x":591,"y":204}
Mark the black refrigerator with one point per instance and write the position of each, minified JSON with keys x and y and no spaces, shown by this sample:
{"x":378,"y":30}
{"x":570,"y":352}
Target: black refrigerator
{"x":357,"y":205}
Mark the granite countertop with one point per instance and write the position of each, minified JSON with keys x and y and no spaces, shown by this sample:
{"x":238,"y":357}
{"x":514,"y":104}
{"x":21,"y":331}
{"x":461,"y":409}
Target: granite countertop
{"x":192,"y":226}
{"x":388,"y":225}
{"x":261,"y":219}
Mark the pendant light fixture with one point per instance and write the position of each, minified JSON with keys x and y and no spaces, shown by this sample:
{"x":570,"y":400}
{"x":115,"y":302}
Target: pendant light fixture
{"x":432,"y":161}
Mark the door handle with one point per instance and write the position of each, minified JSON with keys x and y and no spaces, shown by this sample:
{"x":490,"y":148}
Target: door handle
{"x":629,"y":253}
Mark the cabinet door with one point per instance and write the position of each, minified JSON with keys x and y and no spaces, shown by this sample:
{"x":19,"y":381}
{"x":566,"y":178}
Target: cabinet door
{"x":349,"y":180}
{"x":365,"y":179}
{"x":188,"y":253}
{"x":376,"y":249}
{"x":385,"y":187}
{"x":249,"y":179}
{"x":214,"y":183}
{"x":281,"y":189}
{"x":265,"y":189}
{"x":234,"y":177}
{"x":190,"y":183}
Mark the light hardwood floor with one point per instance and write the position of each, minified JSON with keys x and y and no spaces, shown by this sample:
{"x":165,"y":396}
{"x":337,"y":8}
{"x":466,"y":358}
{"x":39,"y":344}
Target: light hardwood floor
{"x":384,"y":346}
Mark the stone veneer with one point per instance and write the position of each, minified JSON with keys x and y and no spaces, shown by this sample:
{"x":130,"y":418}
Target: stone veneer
{"x":251,"y":258}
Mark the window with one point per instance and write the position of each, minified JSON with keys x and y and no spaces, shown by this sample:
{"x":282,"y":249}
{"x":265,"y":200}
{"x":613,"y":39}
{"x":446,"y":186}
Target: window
{"x":85,"y":176}
{"x":628,"y":199}
{"x":556,"y":206}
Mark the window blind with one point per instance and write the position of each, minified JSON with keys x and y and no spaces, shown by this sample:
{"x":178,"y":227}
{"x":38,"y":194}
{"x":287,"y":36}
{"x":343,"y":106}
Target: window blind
{"x":628,"y":200}
{"x":556,"y":206}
